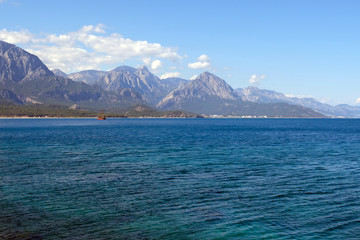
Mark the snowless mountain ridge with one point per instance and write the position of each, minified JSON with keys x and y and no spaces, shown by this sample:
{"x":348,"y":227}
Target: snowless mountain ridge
{"x":25,"y":79}
{"x":251,"y":93}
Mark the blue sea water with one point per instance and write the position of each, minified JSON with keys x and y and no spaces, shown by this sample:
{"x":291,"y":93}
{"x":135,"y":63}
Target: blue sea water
{"x":180,"y":179}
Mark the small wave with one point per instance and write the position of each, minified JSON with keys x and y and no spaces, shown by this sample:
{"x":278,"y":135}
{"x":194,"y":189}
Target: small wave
{"x":341,"y":225}
{"x":281,"y":196}
{"x":318,"y":193}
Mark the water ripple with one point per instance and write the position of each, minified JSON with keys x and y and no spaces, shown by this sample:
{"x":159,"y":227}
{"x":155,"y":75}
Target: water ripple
{"x":179,"y":179}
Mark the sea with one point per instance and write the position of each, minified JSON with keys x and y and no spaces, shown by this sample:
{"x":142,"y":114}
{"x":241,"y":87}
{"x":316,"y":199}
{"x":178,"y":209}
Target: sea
{"x":180,"y":179}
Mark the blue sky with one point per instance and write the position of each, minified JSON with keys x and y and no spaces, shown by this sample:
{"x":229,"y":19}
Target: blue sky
{"x":303,"y":48}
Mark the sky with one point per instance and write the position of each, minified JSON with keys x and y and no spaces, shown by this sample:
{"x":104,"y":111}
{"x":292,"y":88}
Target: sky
{"x":302,"y":48}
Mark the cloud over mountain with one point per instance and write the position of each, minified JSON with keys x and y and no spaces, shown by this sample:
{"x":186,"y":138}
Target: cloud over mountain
{"x":256,"y":79}
{"x":91,"y":47}
{"x":156,"y":64}
{"x":14,"y":37}
{"x":170,"y":75}
{"x":203,"y":62}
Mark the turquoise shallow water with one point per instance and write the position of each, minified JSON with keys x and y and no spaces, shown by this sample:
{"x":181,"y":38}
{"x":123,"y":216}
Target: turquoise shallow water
{"x":179,"y":179}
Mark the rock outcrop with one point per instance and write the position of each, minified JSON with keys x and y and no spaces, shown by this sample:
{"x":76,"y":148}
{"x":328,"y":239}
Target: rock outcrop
{"x":87,"y":76}
{"x":141,"y":80}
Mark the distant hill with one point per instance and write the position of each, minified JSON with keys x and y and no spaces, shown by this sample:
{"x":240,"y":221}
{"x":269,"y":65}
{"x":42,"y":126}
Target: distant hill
{"x":88,"y":76}
{"x":45,"y":110}
{"x":40,"y":110}
{"x":140,"y":110}
{"x":209,"y":94}
{"x":257,"y":95}
{"x":59,"y":73}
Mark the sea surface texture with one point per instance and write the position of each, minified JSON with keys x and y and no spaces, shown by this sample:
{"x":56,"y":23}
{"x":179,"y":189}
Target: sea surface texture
{"x":179,"y":179}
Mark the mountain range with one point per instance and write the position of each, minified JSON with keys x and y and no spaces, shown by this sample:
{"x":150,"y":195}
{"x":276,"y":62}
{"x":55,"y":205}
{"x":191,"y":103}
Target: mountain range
{"x":211,"y":95}
{"x":24,"y":79}
{"x":255,"y":94}
{"x":207,"y":94}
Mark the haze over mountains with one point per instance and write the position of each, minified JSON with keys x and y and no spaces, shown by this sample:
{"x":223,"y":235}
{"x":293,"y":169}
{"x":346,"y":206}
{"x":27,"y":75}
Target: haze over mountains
{"x":24,"y":79}
{"x":255,"y":94}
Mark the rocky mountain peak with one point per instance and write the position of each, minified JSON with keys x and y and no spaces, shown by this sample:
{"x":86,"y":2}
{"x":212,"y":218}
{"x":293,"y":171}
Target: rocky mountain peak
{"x":140,"y":80}
{"x":124,"y":69}
{"x":144,"y":68}
{"x":4,"y":46}
{"x":205,"y":86}
{"x":206,"y":74}
{"x":143,"y":71}
{"x":59,"y":73}
{"x":206,"y":77}
{"x":87,"y":76}
{"x":215,"y":86}
{"x":18,"y":65}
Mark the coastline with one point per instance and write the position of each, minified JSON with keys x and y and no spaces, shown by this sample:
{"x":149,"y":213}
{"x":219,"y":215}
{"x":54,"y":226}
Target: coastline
{"x":166,"y":117}
{"x":18,"y":117}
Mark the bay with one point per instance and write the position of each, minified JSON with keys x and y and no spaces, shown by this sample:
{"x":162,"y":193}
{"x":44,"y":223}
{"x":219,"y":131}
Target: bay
{"x":179,"y":179}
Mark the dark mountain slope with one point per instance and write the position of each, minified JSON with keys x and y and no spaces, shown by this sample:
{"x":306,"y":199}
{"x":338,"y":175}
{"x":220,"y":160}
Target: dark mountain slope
{"x":25,"y":79}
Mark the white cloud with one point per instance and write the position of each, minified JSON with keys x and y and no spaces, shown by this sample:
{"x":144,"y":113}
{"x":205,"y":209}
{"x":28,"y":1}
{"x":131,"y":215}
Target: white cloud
{"x":100,"y":28}
{"x":256,"y":79}
{"x":357,"y":101}
{"x":194,"y":77}
{"x":204,"y":58}
{"x":156,"y":64}
{"x":69,"y":58}
{"x":10,"y":2}
{"x":90,"y":46}
{"x":197,"y":65}
{"x":170,"y":75}
{"x":15,"y":37}
{"x":147,"y":60}
{"x":203,"y":62}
